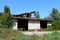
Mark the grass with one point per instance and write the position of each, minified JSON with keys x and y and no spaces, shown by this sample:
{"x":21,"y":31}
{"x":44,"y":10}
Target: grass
{"x":53,"y":36}
{"x":8,"y":34}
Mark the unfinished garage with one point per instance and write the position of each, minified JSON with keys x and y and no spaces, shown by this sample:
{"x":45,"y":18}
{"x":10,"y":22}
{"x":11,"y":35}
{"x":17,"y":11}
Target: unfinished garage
{"x":23,"y":24}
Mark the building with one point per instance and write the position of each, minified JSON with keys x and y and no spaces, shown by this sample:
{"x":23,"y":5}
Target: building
{"x":25,"y":21}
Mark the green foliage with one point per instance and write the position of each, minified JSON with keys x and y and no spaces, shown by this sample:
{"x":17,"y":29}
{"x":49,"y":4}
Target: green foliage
{"x":37,"y":15}
{"x":49,"y":28}
{"x":6,"y":9}
{"x":6,"y":18}
{"x":55,"y":15}
{"x":56,"y":25}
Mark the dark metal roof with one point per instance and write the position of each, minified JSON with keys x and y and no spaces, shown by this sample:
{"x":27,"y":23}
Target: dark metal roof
{"x":32,"y":19}
{"x":25,"y":13}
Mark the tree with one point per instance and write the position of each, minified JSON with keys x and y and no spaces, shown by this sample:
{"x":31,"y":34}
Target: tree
{"x":6,"y":17}
{"x":6,"y":9}
{"x":55,"y":15}
{"x":37,"y":15}
{"x":1,"y":19}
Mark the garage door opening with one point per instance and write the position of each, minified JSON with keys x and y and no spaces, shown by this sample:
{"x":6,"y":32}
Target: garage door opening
{"x":23,"y":24}
{"x":43,"y":24}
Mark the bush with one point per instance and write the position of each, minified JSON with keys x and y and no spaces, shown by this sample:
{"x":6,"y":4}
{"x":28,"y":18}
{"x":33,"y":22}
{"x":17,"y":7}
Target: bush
{"x":49,"y":28}
{"x":56,"y":25}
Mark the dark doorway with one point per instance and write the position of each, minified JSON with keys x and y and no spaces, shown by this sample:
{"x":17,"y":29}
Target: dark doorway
{"x":23,"y":24}
{"x":43,"y":24}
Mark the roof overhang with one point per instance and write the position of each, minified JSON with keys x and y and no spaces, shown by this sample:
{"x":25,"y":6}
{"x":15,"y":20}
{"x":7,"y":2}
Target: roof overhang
{"x":36,"y":19}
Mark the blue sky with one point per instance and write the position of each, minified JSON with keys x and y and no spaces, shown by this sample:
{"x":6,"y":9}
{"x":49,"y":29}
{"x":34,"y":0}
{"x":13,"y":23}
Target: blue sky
{"x":20,"y":6}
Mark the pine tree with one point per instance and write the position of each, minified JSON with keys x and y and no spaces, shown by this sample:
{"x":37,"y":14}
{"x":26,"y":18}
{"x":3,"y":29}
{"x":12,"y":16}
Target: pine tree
{"x":55,"y":15}
{"x":6,"y":17}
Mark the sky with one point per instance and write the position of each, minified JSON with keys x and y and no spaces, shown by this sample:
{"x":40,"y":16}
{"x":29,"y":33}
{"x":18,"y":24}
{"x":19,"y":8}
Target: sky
{"x":44,"y":7}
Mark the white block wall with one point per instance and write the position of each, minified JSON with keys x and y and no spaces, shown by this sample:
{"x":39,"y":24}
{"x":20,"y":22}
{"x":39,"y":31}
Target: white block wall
{"x":49,"y":24}
{"x":33,"y":25}
{"x":15,"y":24}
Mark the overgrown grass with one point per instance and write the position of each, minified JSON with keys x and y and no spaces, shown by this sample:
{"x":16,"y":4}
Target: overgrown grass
{"x":53,"y":36}
{"x":8,"y":34}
